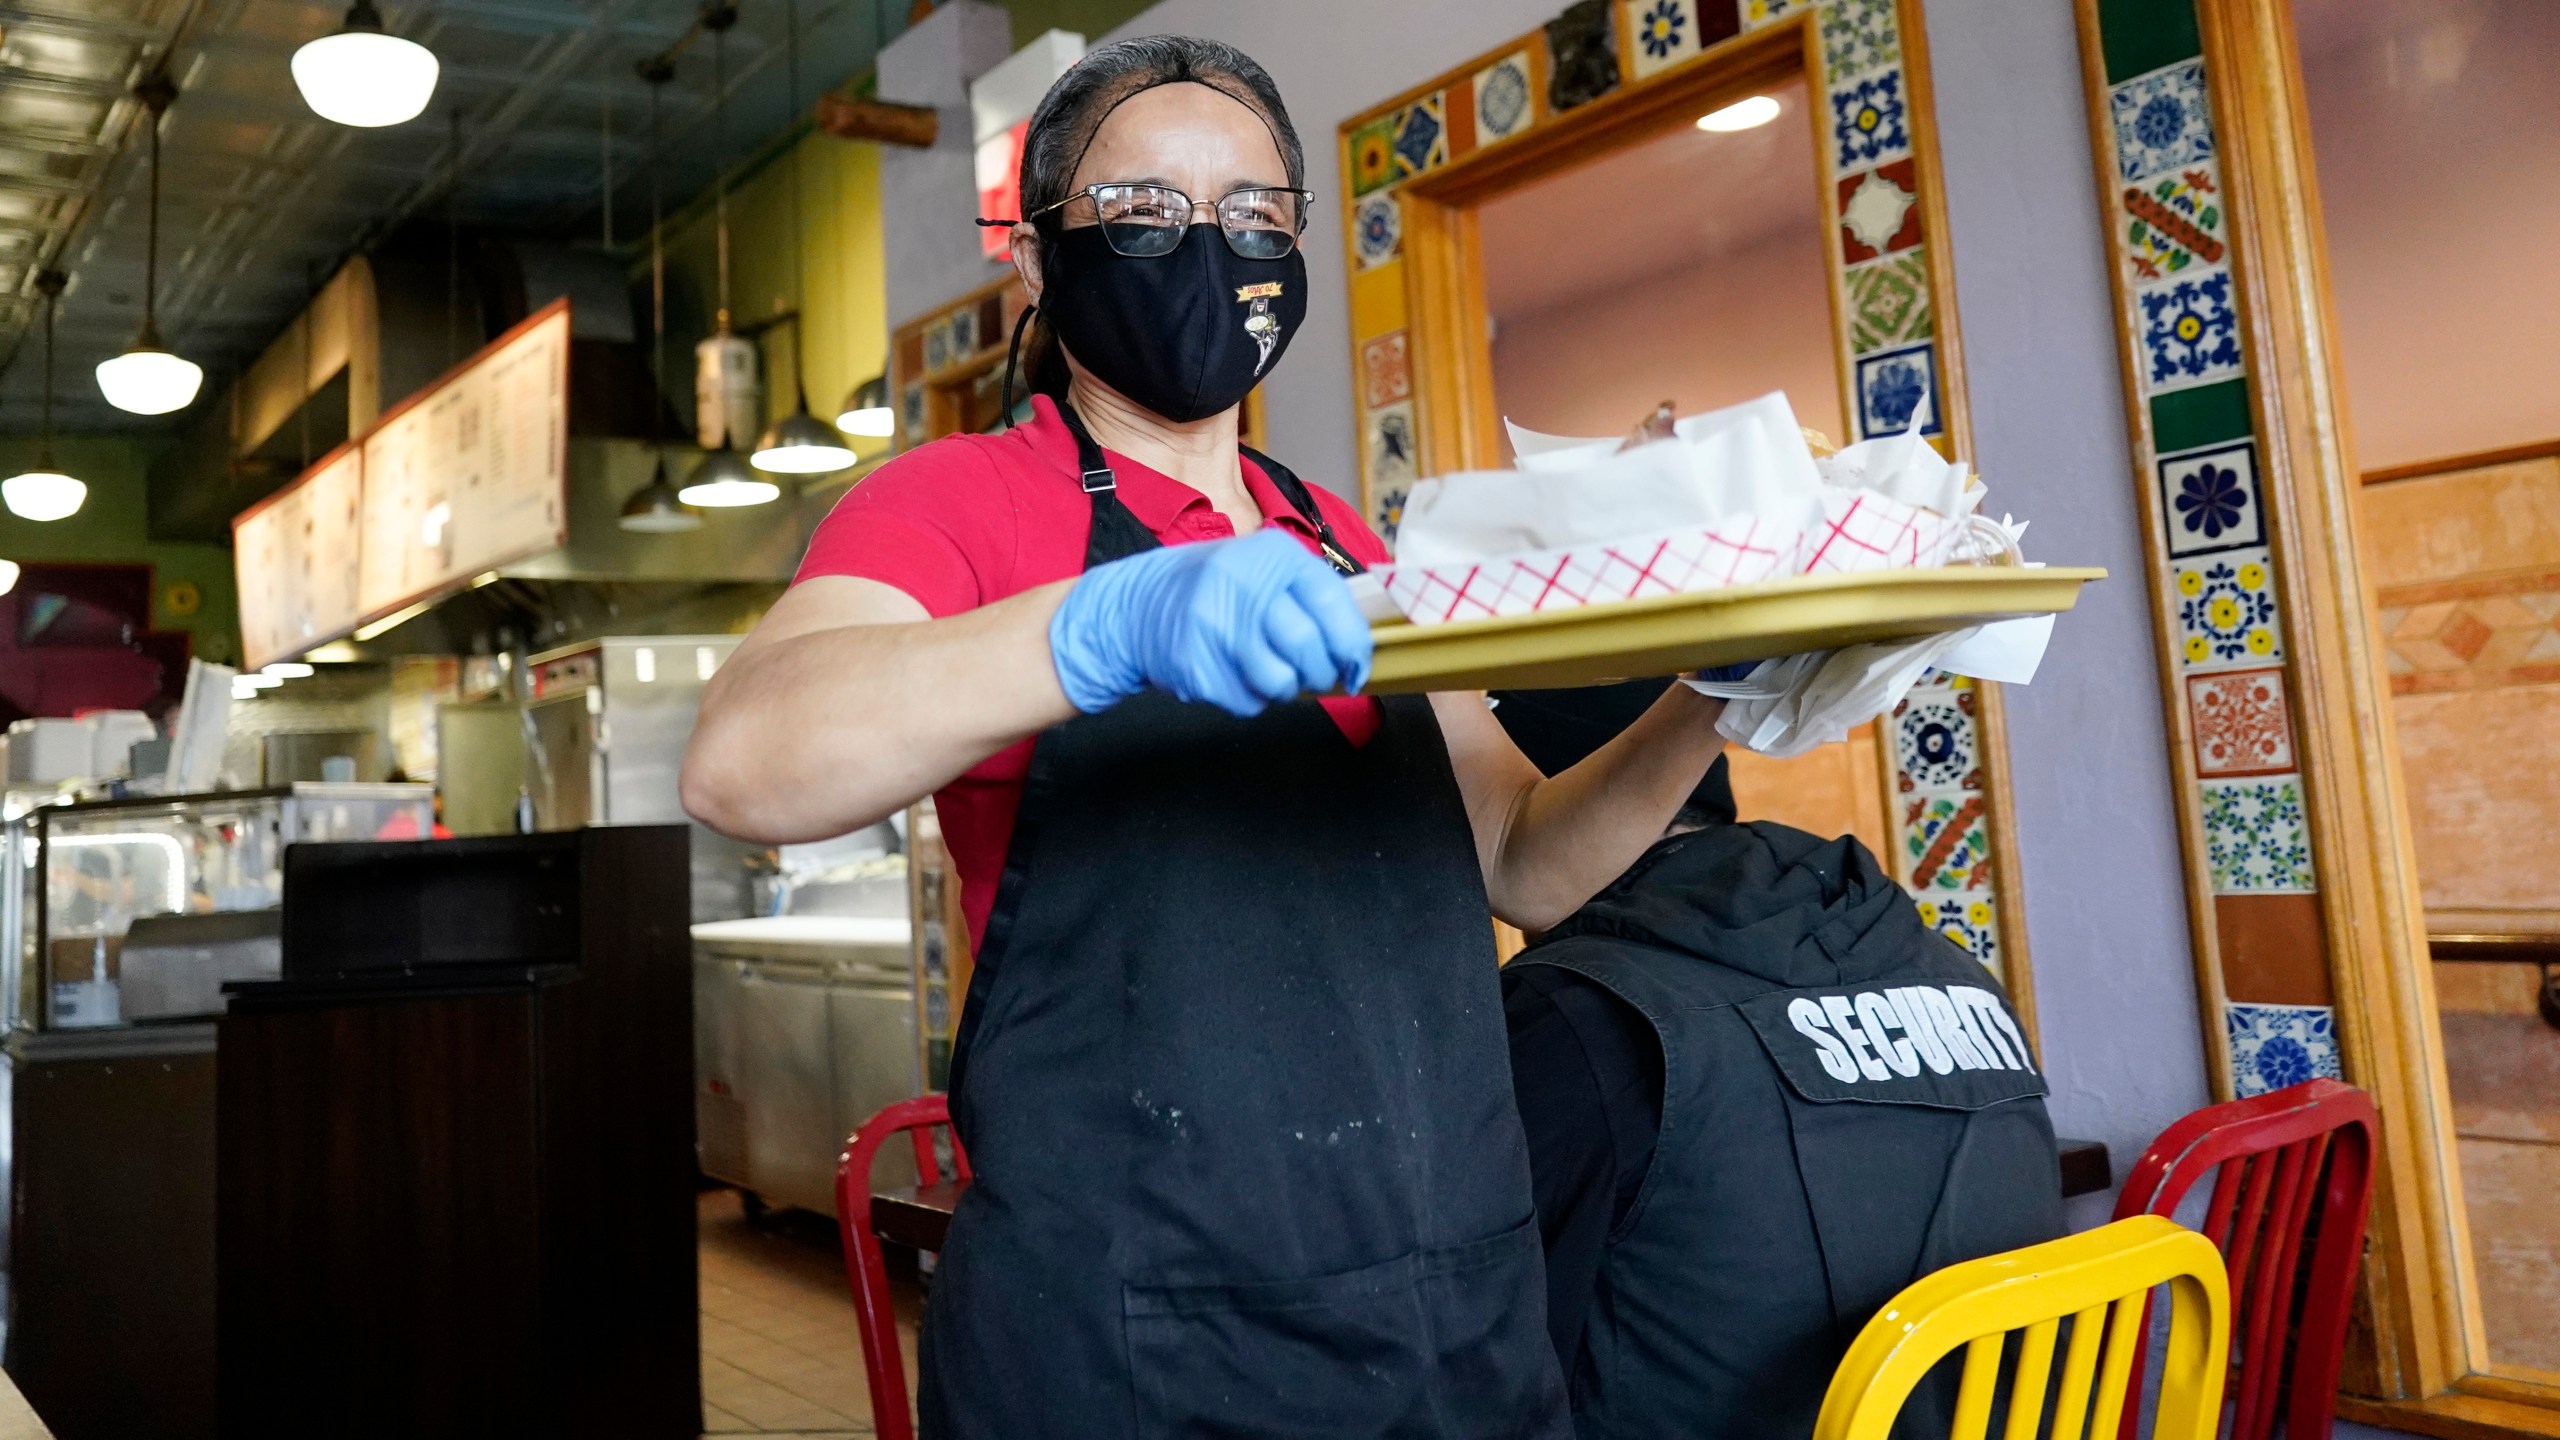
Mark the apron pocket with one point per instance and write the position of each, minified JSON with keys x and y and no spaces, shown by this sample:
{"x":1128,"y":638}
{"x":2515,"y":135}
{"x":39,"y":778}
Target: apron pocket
{"x":1411,"y":1347}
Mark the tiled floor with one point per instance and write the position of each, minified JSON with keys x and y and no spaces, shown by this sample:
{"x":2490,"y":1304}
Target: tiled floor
{"x":780,"y":1356}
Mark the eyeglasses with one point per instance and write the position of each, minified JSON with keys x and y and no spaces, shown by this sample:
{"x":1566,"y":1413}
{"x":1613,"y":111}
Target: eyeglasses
{"x":1261,"y":222}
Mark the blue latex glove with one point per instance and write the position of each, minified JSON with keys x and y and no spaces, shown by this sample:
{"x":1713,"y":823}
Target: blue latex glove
{"x":1242,"y":624}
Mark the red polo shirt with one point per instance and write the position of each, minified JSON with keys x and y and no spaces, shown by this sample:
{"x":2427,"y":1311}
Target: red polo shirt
{"x":971,"y":519}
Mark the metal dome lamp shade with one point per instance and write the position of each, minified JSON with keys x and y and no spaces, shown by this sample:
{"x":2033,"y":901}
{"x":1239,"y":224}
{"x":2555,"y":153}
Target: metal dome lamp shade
{"x":363,"y":76}
{"x":799,"y":443}
{"x":725,"y":481}
{"x":653,"y":509}
{"x":866,"y":411}
{"x":148,"y":379}
{"x":43,"y":493}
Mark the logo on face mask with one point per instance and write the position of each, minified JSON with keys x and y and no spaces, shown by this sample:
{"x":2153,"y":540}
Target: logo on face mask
{"x":1259,"y":322}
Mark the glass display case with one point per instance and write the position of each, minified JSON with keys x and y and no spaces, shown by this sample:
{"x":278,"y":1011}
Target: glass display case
{"x":81,"y":875}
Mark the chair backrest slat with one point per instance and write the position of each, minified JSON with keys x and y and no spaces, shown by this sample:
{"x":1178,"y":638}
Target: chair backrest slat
{"x":2101,"y":1280}
{"x":2287,"y":1165}
{"x":866,"y":1268}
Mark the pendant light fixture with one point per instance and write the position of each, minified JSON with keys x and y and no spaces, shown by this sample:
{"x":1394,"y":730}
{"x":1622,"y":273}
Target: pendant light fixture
{"x":866,"y":411}
{"x":799,"y":443}
{"x":43,"y":493}
{"x":147,"y":379}
{"x":363,"y":76}
{"x":723,"y":479}
{"x":653,"y":509}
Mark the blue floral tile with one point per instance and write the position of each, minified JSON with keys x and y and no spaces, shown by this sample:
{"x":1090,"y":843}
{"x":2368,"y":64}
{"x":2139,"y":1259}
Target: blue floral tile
{"x":1662,"y":33}
{"x":1502,"y":98}
{"x":1859,"y":36}
{"x":1377,"y":228}
{"x":2209,"y":499}
{"x":2190,"y":331}
{"x":2256,"y":839}
{"x":1971,"y":921}
{"x":2162,"y":121}
{"x":1869,"y":121}
{"x":1421,"y":137}
{"x":1895,"y":384}
{"x":2273,"y":1046}
{"x":1934,"y":745}
{"x":2227,"y":610}
{"x":1389,"y":514}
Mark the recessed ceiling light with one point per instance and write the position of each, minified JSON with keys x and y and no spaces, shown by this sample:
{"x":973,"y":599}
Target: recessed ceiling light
{"x":1741,"y":115}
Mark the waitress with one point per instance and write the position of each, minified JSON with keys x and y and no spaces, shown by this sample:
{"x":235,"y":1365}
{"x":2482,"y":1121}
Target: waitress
{"x":1232,"y":1072}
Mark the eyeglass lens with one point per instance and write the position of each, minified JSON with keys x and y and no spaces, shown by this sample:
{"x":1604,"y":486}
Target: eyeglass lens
{"x":1143,"y":220}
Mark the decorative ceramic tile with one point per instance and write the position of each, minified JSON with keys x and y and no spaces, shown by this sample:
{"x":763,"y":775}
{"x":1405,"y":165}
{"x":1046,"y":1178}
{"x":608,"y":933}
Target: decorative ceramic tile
{"x":1386,"y":371}
{"x":2209,"y":499}
{"x":1458,"y":109}
{"x":1869,"y":124}
{"x":1502,"y":98}
{"x":1422,"y":137}
{"x":1665,"y":33}
{"x":1889,"y":302}
{"x":2190,"y":332}
{"x":2207,"y":415}
{"x":1879,"y":212}
{"x":1373,"y":155}
{"x":1390,"y":514}
{"x":2162,"y":121}
{"x":911,"y":414}
{"x":2256,"y":841}
{"x":1377,"y":228}
{"x":1582,"y":54}
{"x":1944,"y":843}
{"x":1756,"y":13}
{"x":2173,"y":223}
{"x":1933,"y":742}
{"x":1858,"y":36}
{"x":2227,"y":610}
{"x":964,"y":334}
{"x":1971,"y":921}
{"x":2472,"y":634}
{"x":2273,"y":1046}
{"x":2240,"y":723}
{"x":937,"y":345}
{"x":1394,"y":448}
{"x":1893,"y":385}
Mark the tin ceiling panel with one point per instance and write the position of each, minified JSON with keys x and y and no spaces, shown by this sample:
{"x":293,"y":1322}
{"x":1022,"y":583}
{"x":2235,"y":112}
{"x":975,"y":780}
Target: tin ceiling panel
{"x":260,"y":198}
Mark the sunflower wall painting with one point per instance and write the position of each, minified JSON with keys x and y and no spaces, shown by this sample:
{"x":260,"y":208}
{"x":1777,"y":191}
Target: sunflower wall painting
{"x":2218,"y":581}
{"x":1877,"y":186}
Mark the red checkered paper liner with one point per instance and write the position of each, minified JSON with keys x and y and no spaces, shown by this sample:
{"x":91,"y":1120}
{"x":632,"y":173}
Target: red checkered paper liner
{"x":1860,"y":530}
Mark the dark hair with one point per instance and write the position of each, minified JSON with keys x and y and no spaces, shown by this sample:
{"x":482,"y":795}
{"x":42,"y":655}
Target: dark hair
{"x":1073,"y":111}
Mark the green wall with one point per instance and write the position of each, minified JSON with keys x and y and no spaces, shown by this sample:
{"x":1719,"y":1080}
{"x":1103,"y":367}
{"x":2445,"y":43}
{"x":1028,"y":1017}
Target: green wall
{"x":111,"y":529}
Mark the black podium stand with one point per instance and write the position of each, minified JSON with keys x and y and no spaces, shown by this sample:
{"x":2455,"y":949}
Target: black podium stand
{"x":456,"y":1168}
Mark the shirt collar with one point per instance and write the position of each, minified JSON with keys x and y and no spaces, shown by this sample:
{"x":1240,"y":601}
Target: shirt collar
{"x":1157,"y":499}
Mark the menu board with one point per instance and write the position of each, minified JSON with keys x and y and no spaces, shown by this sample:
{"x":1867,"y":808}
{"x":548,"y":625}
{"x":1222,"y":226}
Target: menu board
{"x":295,"y":559}
{"x":465,"y":476}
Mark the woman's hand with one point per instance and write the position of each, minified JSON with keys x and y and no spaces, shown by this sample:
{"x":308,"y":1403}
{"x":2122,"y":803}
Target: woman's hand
{"x":1242,"y":624}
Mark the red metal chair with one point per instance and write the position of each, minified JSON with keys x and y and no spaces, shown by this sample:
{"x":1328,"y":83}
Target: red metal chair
{"x":864,"y":1266}
{"x":2289,"y":1317}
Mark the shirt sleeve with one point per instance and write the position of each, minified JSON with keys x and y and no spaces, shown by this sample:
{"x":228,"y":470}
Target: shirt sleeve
{"x":938,"y":523}
{"x":1587,"y":1074}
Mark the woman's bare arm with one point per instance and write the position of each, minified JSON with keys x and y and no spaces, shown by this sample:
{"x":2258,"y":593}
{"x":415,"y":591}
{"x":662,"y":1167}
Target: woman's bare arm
{"x":1548,"y":845}
{"x":848,"y":703}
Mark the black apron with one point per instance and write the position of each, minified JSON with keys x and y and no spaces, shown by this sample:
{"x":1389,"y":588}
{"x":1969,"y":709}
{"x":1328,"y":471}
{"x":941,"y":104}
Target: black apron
{"x":1234,"y":1082}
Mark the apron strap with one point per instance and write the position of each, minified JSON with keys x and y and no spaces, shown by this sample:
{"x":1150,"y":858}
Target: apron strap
{"x":1118,"y":533}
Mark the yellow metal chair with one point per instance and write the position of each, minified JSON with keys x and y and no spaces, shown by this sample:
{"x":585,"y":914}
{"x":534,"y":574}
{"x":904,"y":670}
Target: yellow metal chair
{"x":2100,"y":1280}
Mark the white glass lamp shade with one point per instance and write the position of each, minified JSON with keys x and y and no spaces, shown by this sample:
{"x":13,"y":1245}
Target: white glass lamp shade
{"x":8,"y":576}
{"x":41,"y":495}
{"x":723,"y":481}
{"x":147,"y":380}
{"x":365,"y":78}
{"x":801,"y":444}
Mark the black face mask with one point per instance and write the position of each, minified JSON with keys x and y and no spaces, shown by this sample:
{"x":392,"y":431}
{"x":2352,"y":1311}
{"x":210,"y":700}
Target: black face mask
{"x":1187,"y":334}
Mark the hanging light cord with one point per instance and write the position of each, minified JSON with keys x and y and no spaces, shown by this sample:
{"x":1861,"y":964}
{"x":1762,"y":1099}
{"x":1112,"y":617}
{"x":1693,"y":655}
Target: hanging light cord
{"x":155,"y":92}
{"x":799,"y":238}
{"x":51,"y":282}
{"x":720,"y":145}
{"x":657,"y":73}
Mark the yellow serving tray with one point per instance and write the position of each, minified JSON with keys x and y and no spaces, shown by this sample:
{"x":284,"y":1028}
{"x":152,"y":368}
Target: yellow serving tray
{"x":1669,"y":634}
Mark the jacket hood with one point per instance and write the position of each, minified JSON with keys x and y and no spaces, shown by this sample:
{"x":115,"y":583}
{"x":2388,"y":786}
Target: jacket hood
{"x":1771,"y":901}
